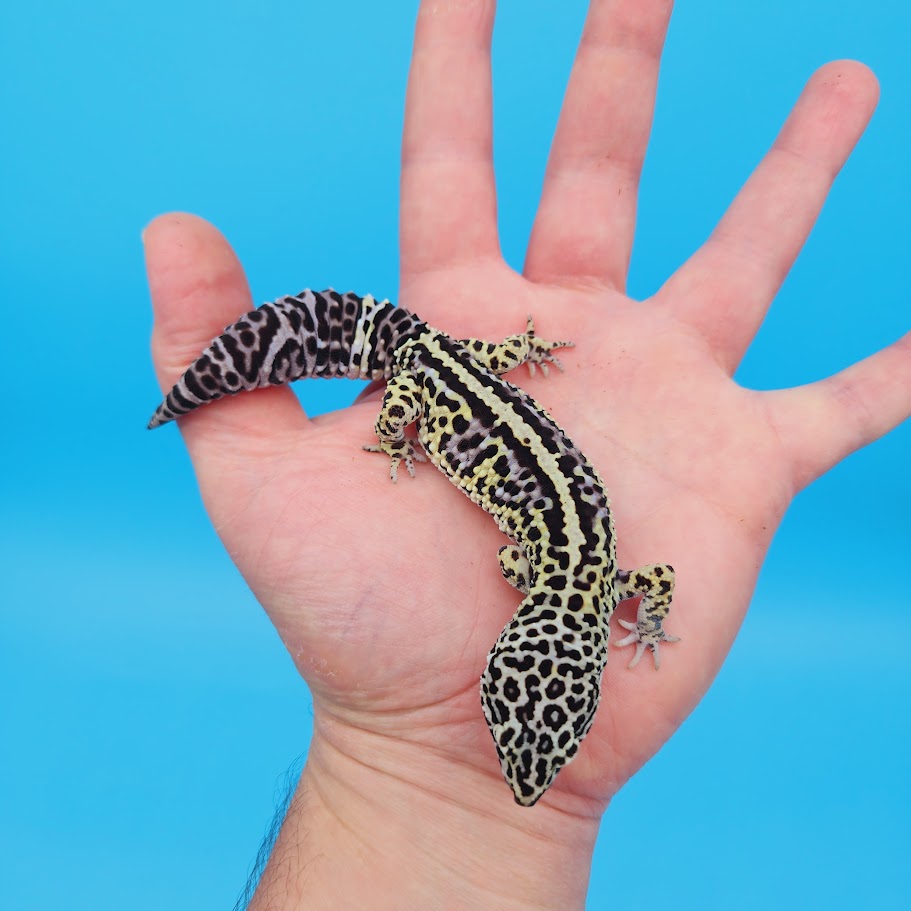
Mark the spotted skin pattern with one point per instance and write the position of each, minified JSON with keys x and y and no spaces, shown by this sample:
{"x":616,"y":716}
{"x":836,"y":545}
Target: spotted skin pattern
{"x":542,"y":681}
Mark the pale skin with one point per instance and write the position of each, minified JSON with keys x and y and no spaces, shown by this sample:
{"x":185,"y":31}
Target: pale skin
{"x":389,"y":596}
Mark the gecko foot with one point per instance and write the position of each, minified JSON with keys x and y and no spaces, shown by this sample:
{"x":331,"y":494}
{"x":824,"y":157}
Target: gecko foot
{"x":405,"y":450}
{"x":539,"y":351}
{"x":644,"y":636}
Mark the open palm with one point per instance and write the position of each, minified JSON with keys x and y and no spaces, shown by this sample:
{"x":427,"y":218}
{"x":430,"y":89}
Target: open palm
{"x":389,"y":596}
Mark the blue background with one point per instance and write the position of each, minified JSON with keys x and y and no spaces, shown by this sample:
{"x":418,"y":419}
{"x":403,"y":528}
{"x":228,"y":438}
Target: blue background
{"x":148,"y":708}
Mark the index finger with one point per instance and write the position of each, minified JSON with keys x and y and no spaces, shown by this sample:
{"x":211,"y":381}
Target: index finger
{"x":448,"y":207}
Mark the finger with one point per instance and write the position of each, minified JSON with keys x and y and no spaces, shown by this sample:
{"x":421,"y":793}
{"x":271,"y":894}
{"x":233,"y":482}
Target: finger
{"x":586,"y":219}
{"x":197,"y":288}
{"x":824,"y":422}
{"x":448,"y":208}
{"x":725,"y":289}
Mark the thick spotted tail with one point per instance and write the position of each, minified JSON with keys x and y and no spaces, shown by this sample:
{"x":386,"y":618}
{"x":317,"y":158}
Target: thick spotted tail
{"x":315,"y":334}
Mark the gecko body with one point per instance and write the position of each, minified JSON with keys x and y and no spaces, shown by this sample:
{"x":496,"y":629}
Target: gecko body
{"x":542,"y":681}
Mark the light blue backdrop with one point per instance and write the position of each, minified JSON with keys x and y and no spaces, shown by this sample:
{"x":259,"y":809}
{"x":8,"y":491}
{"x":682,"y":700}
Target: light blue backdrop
{"x":148,"y":708}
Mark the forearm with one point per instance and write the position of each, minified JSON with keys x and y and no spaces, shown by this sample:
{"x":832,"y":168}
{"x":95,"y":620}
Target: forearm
{"x":376,"y":824}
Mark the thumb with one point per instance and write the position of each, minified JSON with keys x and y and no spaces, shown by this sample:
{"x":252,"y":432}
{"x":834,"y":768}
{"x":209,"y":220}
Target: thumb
{"x":198,"y":287}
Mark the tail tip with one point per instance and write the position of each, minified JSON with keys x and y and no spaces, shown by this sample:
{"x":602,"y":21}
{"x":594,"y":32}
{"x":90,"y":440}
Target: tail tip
{"x":157,"y":420}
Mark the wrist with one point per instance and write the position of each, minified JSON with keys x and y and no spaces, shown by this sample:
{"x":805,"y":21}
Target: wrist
{"x":378,"y":823}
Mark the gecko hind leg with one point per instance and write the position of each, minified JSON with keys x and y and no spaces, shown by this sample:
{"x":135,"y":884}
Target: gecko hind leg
{"x":540,"y":352}
{"x":515,"y":567}
{"x":524,"y":348}
{"x":656,"y":585}
{"x":401,"y":407}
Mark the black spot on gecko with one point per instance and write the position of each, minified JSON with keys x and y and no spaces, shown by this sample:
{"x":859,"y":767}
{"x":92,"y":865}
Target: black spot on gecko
{"x":555,"y":688}
{"x":554,"y":717}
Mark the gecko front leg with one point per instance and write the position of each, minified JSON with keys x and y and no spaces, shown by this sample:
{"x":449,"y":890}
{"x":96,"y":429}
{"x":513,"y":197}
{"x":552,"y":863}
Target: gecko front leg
{"x":515,"y":567}
{"x":656,"y":585}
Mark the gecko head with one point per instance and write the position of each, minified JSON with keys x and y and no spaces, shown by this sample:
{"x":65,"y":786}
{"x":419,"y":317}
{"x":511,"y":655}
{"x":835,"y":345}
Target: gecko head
{"x":538,"y":710}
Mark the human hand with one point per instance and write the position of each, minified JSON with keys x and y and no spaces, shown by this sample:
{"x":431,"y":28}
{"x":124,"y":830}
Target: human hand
{"x":388,"y":598}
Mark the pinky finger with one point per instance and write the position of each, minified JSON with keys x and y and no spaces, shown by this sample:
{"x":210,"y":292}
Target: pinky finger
{"x":824,"y":422}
